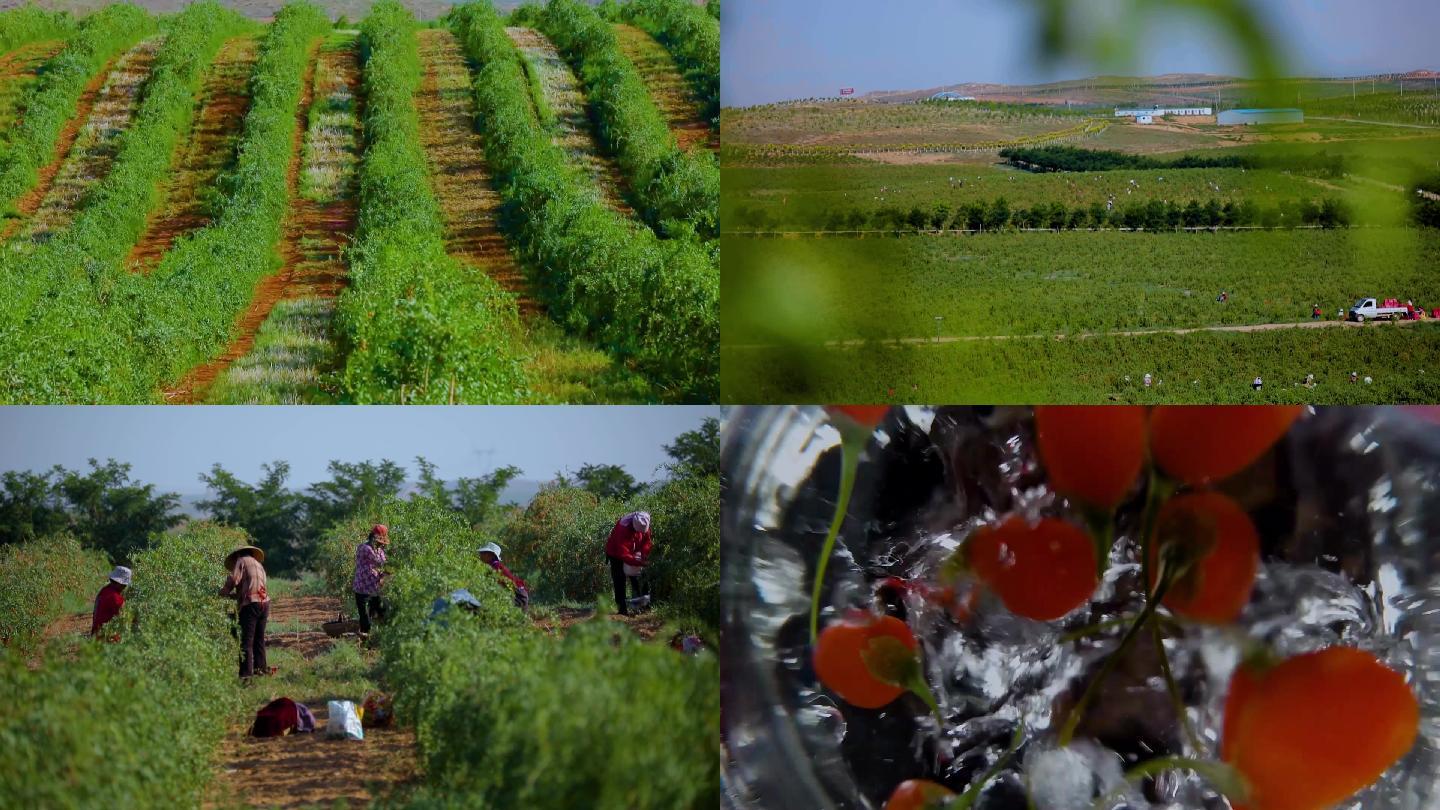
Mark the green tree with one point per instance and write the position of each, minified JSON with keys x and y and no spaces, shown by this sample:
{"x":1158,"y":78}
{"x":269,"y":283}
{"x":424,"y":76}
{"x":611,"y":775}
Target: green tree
{"x":607,"y":481}
{"x":112,"y":513}
{"x":352,"y":486}
{"x":268,"y":511}
{"x":30,"y":506}
{"x":478,"y":499}
{"x":696,"y":452}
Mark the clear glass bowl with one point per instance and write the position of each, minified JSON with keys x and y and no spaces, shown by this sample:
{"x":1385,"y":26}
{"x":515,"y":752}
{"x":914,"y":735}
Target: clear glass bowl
{"x":1346,"y":505}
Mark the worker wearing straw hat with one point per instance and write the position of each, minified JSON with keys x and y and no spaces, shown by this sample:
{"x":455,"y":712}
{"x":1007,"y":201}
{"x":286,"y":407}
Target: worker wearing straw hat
{"x":247,"y":584}
{"x":109,"y":601}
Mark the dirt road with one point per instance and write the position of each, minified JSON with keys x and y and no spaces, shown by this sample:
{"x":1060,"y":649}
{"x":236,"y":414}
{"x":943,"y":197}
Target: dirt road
{"x":304,"y":770}
{"x":1253,"y":327}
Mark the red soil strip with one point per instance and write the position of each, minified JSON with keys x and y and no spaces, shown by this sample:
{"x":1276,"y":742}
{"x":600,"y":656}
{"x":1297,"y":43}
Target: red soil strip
{"x":308,"y":770}
{"x":667,"y":87}
{"x":29,"y":202}
{"x":645,"y":625}
{"x":456,"y":154}
{"x":98,"y":142}
{"x":199,"y":161}
{"x":275,"y":287}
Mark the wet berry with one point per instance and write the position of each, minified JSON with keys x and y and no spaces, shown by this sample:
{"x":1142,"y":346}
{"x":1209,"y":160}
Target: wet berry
{"x":1214,"y":538}
{"x":1040,"y":570}
{"x":1092,"y":453}
{"x":1201,"y":443}
{"x":918,"y":794}
{"x":840,"y":657}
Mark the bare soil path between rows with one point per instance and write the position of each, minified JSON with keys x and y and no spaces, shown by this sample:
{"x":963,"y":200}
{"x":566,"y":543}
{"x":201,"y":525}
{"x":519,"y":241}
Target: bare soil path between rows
{"x":97,"y":143}
{"x":668,"y":88}
{"x":566,"y":99}
{"x":185,"y":206}
{"x":1252,"y":327}
{"x":455,"y":151}
{"x":18,"y":71}
{"x":291,"y":281}
{"x":307,"y":770}
{"x":27,"y":203}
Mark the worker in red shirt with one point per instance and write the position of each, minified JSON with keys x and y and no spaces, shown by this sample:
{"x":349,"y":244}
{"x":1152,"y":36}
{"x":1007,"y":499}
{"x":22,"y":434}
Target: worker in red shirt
{"x":628,"y":550}
{"x":109,"y":601}
{"x":490,"y":555}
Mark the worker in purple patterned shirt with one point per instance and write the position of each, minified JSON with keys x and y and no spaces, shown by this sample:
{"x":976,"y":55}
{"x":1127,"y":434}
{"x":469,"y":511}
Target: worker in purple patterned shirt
{"x":369,"y":573}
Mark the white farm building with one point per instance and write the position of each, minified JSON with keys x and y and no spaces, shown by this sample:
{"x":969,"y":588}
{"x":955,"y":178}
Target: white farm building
{"x":950,"y":95}
{"x":1153,"y":112}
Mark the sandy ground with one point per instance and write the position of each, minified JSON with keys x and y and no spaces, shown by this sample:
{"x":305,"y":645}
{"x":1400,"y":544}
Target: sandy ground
{"x":301,"y":770}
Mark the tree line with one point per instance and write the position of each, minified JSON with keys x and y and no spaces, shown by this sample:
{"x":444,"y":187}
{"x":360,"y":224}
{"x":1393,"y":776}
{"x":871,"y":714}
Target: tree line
{"x":999,"y":215}
{"x":105,"y":508}
{"x":1062,"y":158}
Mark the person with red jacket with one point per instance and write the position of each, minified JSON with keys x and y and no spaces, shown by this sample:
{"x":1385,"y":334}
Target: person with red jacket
{"x":628,"y":550}
{"x":490,"y":555}
{"x":110,"y":599}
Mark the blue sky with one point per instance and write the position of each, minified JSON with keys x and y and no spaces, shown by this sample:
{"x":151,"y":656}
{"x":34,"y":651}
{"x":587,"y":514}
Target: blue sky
{"x":170,"y":446}
{"x":773,"y":50}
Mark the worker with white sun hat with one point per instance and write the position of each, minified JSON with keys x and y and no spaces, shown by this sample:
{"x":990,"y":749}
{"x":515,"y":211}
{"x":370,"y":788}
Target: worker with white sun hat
{"x":490,"y":555}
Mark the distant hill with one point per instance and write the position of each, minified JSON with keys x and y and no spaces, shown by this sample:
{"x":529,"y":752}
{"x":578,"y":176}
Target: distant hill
{"x":1170,"y":89}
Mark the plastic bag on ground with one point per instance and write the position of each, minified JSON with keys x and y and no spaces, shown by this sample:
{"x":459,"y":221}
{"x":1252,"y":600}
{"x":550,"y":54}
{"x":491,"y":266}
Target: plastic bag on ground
{"x":344,"y":721}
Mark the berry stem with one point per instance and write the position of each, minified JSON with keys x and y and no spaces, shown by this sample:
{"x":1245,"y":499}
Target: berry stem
{"x":1225,"y":778}
{"x":1173,"y":688}
{"x":973,"y":792}
{"x":1072,"y":720}
{"x":852,"y":441}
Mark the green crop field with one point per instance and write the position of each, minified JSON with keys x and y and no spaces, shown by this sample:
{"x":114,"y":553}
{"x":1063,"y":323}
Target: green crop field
{"x":905,"y":276}
{"x":199,"y":207}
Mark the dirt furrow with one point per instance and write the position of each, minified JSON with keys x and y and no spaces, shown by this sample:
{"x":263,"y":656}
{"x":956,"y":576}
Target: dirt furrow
{"x":185,"y":206}
{"x":18,"y":71}
{"x":575,"y":132}
{"x":28,"y":202}
{"x":97,"y":143}
{"x":193,"y":387}
{"x":307,"y":770}
{"x":456,"y":154}
{"x":667,"y":87}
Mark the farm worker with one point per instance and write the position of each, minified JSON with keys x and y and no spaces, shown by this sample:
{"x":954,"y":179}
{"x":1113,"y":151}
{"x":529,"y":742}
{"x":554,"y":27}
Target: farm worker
{"x":110,"y":599}
{"x":1315,"y":312}
{"x":369,"y":560}
{"x":490,"y":555}
{"x":628,"y":550}
{"x":1147,"y":379}
{"x":1258,"y":382}
{"x":1340,"y":313}
{"x":1354,"y":376}
{"x":247,"y":584}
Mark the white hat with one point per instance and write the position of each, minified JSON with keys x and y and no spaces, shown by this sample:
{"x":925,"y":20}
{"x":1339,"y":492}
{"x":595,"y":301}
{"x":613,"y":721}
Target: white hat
{"x":640,"y":521}
{"x":490,"y":547}
{"x":121,"y":574}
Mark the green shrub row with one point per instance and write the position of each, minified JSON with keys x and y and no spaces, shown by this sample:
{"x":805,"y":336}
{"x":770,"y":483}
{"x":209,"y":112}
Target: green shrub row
{"x":418,"y":326}
{"x":29,"y":23}
{"x":557,"y":545}
{"x":40,"y":577}
{"x":106,"y":334}
{"x":508,"y":716}
{"x":135,"y":723}
{"x":100,"y":38}
{"x":117,"y":205}
{"x":671,"y":185}
{"x":652,"y":301}
{"x":693,"y":38}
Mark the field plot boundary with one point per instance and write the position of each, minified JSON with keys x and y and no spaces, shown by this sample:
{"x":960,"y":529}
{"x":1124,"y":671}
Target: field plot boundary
{"x":19,"y":70}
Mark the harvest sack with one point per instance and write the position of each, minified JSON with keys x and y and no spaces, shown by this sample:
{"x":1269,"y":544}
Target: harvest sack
{"x":344,"y":721}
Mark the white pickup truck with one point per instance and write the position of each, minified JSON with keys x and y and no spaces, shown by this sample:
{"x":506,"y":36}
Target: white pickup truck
{"x":1366,"y":309}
